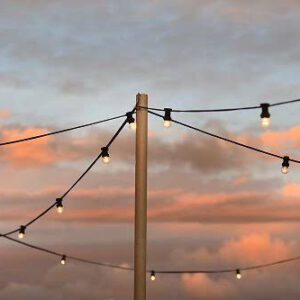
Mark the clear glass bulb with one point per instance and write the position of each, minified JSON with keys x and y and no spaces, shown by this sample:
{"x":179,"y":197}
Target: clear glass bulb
{"x":167,"y":123}
{"x":152,"y":277}
{"x":106,"y":159}
{"x":238,"y":276}
{"x":265,"y":122}
{"x":63,"y":262}
{"x":60,"y":209}
{"x":284,"y":170}
{"x":132,"y":126}
{"x":21,"y":235}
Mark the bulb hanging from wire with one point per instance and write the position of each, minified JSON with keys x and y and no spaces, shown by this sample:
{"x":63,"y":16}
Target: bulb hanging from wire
{"x":238,"y":274}
{"x":285,"y":165}
{"x":131,"y":121}
{"x":152,"y":276}
{"x":167,"y":118}
{"x":21,"y":233}
{"x":63,"y":260}
{"x":265,"y":115}
{"x":105,"y":155}
{"x":59,"y":205}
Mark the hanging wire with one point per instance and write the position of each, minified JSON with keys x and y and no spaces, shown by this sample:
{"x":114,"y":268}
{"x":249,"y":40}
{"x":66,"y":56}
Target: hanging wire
{"x":59,"y":131}
{"x":216,"y":271}
{"x":113,"y":266}
{"x":226,"y":139}
{"x":75,"y":258}
{"x":75,"y":183}
{"x":221,"y":109}
{"x":220,"y":271}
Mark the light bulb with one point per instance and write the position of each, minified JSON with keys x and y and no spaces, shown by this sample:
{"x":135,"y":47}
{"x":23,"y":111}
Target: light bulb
{"x":265,"y":115}
{"x":132,"y":126}
{"x":105,"y":155}
{"x":167,"y":123}
{"x":60,"y":209}
{"x":131,"y":121}
{"x":21,"y":233}
{"x":265,"y":122}
{"x":285,"y":165}
{"x":167,"y":118}
{"x":106,"y":159}
{"x":59,"y":205}
{"x":63,"y":260}
{"x":152,"y":277}
{"x":238,"y":274}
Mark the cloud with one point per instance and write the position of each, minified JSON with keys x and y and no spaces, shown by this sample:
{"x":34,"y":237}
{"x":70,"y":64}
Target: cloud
{"x":16,"y":291}
{"x":282,"y":139}
{"x":116,"y":204}
{"x":5,"y":114}
{"x":27,"y":154}
{"x":250,"y":249}
{"x":202,"y":287}
{"x":291,"y":190}
{"x":204,"y":154}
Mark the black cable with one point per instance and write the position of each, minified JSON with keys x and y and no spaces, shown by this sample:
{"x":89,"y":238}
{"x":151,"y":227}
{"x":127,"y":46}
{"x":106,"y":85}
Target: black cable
{"x":216,"y":271}
{"x":67,"y":256}
{"x":97,"y":158}
{"x":219,"y":271}
{"x":40,"y":215}
{"x":58,"y":131}
{"x":225,"y":139}
{"x":75,"y":183}
{"x":81,"y":176}
{"x":222,"y":109}
{"x":285,"y":102}
{"x":204,"y":110}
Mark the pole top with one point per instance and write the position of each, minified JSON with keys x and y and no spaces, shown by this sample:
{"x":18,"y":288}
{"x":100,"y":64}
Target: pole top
{"x":142,"y":99}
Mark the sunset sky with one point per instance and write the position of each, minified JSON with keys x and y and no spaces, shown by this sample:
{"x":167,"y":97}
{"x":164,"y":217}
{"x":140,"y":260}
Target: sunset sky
{"x":211,"y":204}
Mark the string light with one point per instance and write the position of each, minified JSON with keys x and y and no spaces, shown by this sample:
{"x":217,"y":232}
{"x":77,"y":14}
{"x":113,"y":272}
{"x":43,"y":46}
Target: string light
{"x":105,"y":155}
{"x":31,"y":138}
{"x":21,"y":233}
{"x":222,"y":109}
{"x":43,"y":213}
{"x":63,"y":260}
{"x":285,"y":165}
{"x":131,"y":121}
{"x":265,"y":115}
{"x":238,"y":274}
{"x":59,"y":205}
{"x":226,"y":139}
{"x":167,"y":118}
{"x":152,"y":276}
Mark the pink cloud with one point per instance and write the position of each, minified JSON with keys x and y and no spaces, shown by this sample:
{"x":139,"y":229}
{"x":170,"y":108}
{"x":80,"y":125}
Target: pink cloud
{"x":27,"y":154}
{"x":288,"y":139}
{"x":249,"y":250}
{"x":5,"y":114}
{"x":200,"y":286}
{"x":291,"y":190}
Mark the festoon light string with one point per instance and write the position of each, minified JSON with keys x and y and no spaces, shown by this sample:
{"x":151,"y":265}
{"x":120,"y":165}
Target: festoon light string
{"x":104,"y":154}
{"x":59,"y":201}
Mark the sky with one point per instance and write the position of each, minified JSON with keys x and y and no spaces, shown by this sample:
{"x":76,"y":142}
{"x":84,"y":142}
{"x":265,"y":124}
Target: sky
{"x":211,"y":204}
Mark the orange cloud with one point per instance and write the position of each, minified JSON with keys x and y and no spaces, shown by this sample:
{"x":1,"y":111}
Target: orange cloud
{"x":252,"y":249}
{"x":200,"y":286}
{"x":289,"y":139}
{"x":4,"y":114}
{"x":291,"y":190}
{"x":27,"y":154}
{"x":117,"y":204}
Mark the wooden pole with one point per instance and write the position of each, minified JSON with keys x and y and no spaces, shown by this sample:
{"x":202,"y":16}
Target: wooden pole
{"x":140,"y":244}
